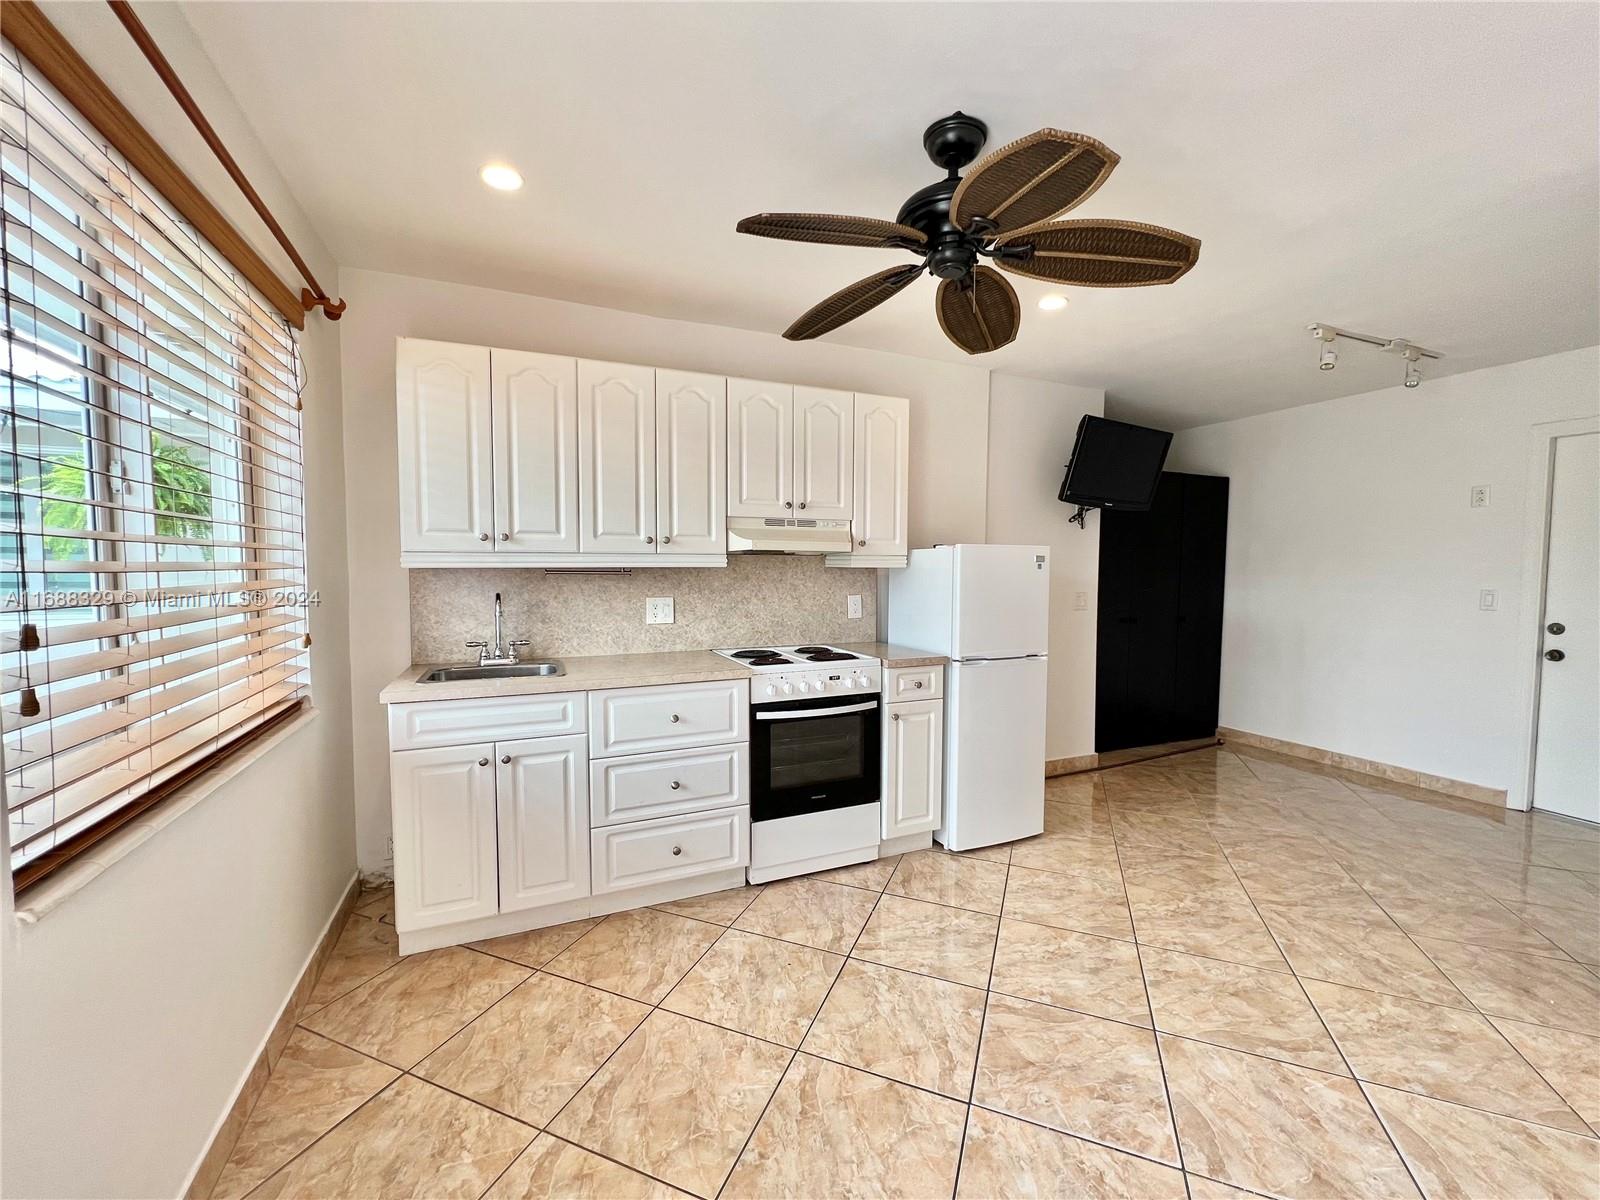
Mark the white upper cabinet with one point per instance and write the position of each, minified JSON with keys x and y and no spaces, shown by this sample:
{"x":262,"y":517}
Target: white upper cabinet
{"x":616,"y":458}
{"x":691,"y":463}
{"x":446,"y":476}
{"x":534,"y":399}
{"x":760,"y":449}
{"x":880,"y":524}
{"x":824,"y":434}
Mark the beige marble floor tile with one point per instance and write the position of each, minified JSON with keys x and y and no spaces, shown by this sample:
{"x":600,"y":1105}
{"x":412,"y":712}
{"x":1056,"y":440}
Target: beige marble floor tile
{"x":1082,"y":971}
{"x":677,"y":1101}
{"x":376,"y":903}
{"x":1461,"y":1154}
{"x":1568,"y":854}
{"x":916,"y":935}
{"x":409,"y":1010}
{"x":641,"y":953}
{"x":411,"y":1140}
{"x":1206,"y":926}
{"x":1569,"y":1062}
{"x":537,"y":946}
{"x":918,"y":1030}
{"x":366,"y":947}
{"x":998,"y":854}
{"x":1076,"y":1073}
{"x":1442,"y":1052}
{"x":530,"y":1053}
{"x":1201,"y":1188}
{"x":1008,"y":1157}
{"x":1159,"y":875}
{"x":720,"y":908}
{"x":812,"y":912}
{"x":832,"y":1131}
{"x":1482,"y":922}
{"x":552,"y":1169}
{"x":757,"y":985}
{"x":1089,"y":822}
{"x":872,"y":876}
{"x":315,"y":1085}
{"x":1576,"y":933}
{"x":954,"y":879}
{"x":1359,"y":956}
{"x":1067,"y":852}
{"x":1551,"y":886}
{"x":1067,"y":901}
{"x":1243,"y":1008}
{"x":1521,"y":986}
{"x":1276,"y":1128}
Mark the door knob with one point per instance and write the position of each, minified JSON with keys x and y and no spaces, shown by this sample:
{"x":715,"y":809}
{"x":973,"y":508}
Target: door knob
{"x":1555,"y":655}
{"x":1555,"y":627}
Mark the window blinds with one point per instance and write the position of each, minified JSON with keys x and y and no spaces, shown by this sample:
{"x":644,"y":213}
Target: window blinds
{"x":152,"y":549}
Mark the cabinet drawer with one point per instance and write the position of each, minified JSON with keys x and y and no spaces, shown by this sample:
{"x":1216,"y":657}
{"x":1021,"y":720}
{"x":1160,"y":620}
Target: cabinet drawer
{"x":630,"y":856}
{"x":662,"y":785}
{"x":913,"y":683}
{"x":498,"y":718}
{"x":671,"y":717}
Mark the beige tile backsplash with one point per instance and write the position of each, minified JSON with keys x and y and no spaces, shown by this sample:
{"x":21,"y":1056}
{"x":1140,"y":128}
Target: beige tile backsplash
{"x":756,"y":600}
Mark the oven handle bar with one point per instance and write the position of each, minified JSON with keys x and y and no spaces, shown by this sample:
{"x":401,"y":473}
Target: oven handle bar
{"x":814,"y":712}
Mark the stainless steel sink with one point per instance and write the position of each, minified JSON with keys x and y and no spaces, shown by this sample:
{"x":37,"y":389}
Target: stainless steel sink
{"x":520,"y":670}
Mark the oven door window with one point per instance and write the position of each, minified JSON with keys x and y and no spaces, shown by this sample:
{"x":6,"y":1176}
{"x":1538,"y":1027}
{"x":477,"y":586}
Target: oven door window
{"x":804,"y":763}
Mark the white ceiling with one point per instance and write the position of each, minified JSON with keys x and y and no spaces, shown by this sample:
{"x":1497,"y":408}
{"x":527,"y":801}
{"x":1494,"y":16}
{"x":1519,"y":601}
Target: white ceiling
{"x":1420,"y":170}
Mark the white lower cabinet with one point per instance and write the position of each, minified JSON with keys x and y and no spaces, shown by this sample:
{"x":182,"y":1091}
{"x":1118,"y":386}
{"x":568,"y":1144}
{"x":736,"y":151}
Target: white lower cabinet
{"x":913,"y":768}
{"x":542,"y":801}
{"x":444,"y":835}
{"x":655,"y":852}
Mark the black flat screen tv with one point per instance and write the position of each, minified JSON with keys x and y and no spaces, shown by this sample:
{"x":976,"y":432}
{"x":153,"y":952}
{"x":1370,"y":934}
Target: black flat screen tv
{"x":1114,"y":465}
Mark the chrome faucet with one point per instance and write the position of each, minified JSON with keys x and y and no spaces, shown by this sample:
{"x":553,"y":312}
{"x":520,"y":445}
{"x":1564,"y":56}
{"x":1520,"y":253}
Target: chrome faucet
{"x":498,"y":653}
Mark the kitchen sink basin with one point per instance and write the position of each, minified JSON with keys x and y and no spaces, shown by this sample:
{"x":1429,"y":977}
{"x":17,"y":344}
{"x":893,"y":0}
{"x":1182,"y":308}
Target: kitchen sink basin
{"x":520,"y":670}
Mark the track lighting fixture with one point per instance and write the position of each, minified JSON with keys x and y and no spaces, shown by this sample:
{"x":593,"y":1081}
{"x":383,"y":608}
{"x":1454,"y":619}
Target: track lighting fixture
{"x":1328,"y":357}
{"x":1413,"y":372}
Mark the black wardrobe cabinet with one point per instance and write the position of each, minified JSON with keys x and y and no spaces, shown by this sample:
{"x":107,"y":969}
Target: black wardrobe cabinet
{"x":1160,"y":619}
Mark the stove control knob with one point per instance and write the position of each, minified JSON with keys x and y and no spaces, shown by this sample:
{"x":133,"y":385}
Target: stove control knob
{"x":821,"y":685}
{"x":803,"y":686}
{"x":771,"y":691}
{"x":787,"y":688}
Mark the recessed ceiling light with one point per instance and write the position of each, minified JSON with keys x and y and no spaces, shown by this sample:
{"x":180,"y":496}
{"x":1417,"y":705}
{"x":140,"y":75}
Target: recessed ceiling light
{"x":1054,"y":302}
{"x":501,"y":177}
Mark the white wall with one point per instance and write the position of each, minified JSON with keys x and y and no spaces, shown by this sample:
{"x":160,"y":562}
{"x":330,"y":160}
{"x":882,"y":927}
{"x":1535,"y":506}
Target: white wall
{"x":132,"y":1011}
{"x":1031,"y":426}
{"x":1355,"y":562}
{"x":949,"y":414}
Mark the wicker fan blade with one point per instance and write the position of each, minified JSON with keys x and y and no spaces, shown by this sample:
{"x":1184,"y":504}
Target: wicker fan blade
{"x":1031,"y":180}
{"x":980,"y":313}
{"x":837,"y":231}
{"x":1101,"y":253}
{"x":849,"y":303}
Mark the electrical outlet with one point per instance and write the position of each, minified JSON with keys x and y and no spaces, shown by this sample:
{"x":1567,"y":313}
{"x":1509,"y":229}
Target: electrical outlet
{"x":389,"y":848}
{"x":1480,"y":495}
{"x":852,"y":607}
{"x":658,"y":610}
{"x":1489,"y":600}
{"x":1080,"y":601}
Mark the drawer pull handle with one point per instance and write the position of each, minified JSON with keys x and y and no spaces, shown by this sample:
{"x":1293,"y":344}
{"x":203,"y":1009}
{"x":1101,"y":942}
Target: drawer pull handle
{"x":917,"y":684}
{"x":675,"y":718}
{"x":483,"y":762}
{"x":676,"y":785}
{"x":483,"y":537}
{"x":505,"y":537}
{"x":862,"y":542}
{"x":894,"y":716}
{"x":677,"y":850}
{"x":505,"y":758}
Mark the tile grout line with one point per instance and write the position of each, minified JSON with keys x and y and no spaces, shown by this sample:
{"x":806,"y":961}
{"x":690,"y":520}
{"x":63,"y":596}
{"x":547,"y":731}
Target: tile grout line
{"x":983,"y":1030}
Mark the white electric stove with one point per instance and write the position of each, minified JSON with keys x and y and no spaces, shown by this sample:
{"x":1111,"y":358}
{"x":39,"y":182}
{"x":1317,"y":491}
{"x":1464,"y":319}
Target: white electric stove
{"x":815,"y":774}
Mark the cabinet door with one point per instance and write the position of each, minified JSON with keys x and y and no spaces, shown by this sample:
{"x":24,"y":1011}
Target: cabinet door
{"x":617,"y":456}
{"x":542,"y":795}
{"x":691,"y":463}
{"x":824,"y":437}
{"x":534,"y":400}
{"x":444,"y":835}
{"x":446,"y":482}
{"x":760,"y":449}
{"x":913,"y":768}
{"x":882,"y":466}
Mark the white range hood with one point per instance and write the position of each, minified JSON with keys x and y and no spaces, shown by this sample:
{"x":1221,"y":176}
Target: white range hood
{"x":780,"y":535}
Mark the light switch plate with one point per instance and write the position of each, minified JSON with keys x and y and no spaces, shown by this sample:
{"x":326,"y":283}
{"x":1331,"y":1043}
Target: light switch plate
{"x":852,"y":605}
{"x":1080,"y":600}
{"x":1489,"y":600}
{"x":658,"y":610}
{"x":1480,"y":495}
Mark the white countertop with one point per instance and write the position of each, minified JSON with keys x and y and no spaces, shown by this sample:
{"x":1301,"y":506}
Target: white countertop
{"x":584,"y":673}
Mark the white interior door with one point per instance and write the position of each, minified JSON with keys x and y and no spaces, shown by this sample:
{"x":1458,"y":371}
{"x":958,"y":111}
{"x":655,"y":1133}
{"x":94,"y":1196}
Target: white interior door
{"x":535,"y":405}
{"x":1566,"y":765}
{"x":617,"y":450}
{"x":824,"y":437}
{"x":446,"y":484}
{"x":691,"y":463}
{"x":760,"y":449}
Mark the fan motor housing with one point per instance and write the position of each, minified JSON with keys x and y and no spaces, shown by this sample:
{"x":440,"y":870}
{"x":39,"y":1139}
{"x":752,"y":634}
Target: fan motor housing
{"x":951,"y":253}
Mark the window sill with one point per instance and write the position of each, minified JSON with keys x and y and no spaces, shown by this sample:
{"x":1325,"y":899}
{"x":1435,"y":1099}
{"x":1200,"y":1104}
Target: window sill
{"x":48,"y":894}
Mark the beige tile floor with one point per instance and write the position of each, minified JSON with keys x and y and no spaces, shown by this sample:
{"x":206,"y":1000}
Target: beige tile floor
{"x":1216,"y":974}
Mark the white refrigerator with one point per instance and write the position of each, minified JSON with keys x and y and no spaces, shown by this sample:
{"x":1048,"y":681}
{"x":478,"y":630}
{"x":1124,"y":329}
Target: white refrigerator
{"x":988,"y":609}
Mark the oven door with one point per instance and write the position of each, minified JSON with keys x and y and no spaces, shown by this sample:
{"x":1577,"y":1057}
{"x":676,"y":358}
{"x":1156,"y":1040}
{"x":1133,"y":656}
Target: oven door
{"x":810,"y":756}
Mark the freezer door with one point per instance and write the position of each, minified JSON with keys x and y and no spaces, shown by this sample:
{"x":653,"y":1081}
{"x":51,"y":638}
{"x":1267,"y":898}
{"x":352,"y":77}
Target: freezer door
{"x":1002,"y":601}
{"x":994,"y":752}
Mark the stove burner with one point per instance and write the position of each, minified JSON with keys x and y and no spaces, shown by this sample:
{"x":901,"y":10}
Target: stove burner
{"x":813,"y":649}
{"x":752,"y":653}
{"x":829,"y":656}
{"x":770,"y":660}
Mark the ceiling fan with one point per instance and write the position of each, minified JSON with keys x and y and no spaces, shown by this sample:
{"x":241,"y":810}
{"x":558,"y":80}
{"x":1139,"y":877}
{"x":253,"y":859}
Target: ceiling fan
{"x":1001,"y":211}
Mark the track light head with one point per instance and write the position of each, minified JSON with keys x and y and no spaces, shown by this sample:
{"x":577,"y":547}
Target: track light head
{"x":1329,"y":358}
{"x":1413,"y":373}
